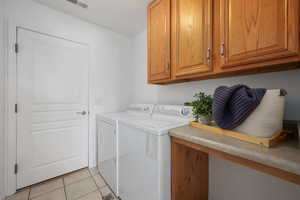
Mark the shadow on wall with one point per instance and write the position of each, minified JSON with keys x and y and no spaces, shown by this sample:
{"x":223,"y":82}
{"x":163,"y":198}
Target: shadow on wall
{"x":289,"y":80}
{"x":229,"y":181}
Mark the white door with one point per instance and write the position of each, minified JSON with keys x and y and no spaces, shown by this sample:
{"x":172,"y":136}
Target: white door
{"x":107,"y":153}
{"x":52,"y":97}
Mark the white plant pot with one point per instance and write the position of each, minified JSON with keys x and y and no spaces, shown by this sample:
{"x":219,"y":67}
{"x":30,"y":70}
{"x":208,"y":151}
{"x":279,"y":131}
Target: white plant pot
{"x":204,"y":120}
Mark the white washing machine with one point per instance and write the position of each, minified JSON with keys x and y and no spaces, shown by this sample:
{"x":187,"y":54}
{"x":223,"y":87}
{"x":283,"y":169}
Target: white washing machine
{"x":144,"y":152}
{"x":107,"y":137}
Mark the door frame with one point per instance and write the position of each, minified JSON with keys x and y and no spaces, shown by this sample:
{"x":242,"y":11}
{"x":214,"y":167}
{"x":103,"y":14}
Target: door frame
{"x":10,"y":126}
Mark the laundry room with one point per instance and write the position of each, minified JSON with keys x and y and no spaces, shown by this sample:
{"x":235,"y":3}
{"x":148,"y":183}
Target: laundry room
{"x":149,"y":99}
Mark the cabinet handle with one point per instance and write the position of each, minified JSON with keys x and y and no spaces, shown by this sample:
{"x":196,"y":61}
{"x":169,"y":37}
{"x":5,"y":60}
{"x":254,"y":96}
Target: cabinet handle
{"x":222,"y":50}
{"x":82,"y":113}
{"x":208,"y":55}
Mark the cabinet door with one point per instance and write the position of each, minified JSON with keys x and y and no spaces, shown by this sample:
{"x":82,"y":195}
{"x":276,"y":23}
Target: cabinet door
{"x":256,"y":31}
{"x":191,"y":36}
{"x":159,"y":40}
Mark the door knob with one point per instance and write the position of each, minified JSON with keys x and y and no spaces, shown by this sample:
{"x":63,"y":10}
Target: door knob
{"x":82,"y":113}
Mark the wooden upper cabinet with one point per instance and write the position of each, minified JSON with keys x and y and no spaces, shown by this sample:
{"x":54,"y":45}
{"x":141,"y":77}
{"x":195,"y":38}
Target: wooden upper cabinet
{"x":204,"y":39}
{"x":258,"y":31}
{"x":159,"y":40}
{"x":191,"y":37}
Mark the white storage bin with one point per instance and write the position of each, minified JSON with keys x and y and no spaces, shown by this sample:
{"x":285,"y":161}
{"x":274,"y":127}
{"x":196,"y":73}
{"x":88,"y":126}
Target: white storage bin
{"x":267,"y":119}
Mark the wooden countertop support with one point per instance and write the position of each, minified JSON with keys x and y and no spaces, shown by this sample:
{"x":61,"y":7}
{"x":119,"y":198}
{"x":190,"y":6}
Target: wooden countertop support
{"x":189,"y":173}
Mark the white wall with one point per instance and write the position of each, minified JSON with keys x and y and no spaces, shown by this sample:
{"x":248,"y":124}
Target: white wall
{"x":1,"y":97}
{"x":141,"y":91}
{"x":109,"y":53}
{"x":228,"y":181}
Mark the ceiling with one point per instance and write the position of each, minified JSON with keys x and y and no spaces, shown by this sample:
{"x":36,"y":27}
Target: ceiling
{"x":123,"y":16}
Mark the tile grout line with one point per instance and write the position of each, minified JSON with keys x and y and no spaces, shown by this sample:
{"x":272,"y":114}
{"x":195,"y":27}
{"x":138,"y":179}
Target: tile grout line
{"x":29,"y":193}
{"x":64,"y":186}
{"x":41,"y":183}
{"x":65,"y":189}
{"x":92,"y":177}
{"x":30,"y":189}
{"x":106,"y":185}
{"x":77,"y":180}
{"x":86,"y":194}
{"x":95,"y":183}
{"x":46,"y":193}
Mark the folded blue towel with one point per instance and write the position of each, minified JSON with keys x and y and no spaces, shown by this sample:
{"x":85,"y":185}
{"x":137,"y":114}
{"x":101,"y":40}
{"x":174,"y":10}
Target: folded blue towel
{"x":232,"y":105}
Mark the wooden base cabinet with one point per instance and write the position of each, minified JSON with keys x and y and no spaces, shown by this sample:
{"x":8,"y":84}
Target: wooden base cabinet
{"x":205,"y":39}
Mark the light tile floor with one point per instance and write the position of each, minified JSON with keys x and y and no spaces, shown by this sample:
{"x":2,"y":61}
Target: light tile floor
{"x":85,"y":184}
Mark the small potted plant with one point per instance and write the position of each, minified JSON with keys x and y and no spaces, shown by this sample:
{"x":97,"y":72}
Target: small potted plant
{"x":202,"y":107}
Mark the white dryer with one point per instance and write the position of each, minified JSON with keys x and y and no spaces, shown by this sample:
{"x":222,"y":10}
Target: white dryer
{"x":107,"y":137}
{"x":144,"y":152}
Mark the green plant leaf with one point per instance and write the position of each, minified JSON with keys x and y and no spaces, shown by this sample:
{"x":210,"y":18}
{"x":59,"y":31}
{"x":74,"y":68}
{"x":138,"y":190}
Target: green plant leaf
{"x":202,"y":105}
